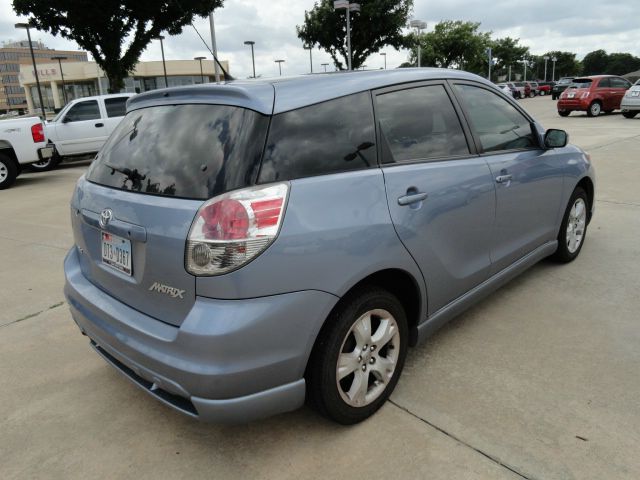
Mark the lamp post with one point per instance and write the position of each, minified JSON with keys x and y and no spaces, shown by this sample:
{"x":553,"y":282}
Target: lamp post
{"x":554,"y":60}
{"x":279,"y":62}
{"x":164,"y":64}
{"x":214,"y":47}
{"x":385,"y":59}
{"x":524,"y":62}
{"x":419,"y":25}
{"x":35,"y":70}
{"x":201,"y":72}
{"x":309,"y":47}
{"x":251,"y":43}
{"x":509,"y":72}
{"x":325,"y":65}
{"x":64,"y":90}
{"x":349,"y":7}
{"x":490,"y":62}
{"x":546,"y":59}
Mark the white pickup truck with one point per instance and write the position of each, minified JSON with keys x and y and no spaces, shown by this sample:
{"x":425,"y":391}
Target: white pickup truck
{"x":83,"y":126}
{"x":22,"y":142}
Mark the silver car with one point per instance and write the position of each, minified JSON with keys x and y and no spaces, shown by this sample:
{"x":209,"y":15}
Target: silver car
{"x":630,"y":104}
{"x":242,"y":247}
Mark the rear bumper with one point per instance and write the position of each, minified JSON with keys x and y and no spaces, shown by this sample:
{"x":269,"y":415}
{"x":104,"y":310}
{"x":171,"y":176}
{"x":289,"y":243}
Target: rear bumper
{"x":631,"y":104}
{"x":229,"y":361}
{"x":573,"y":105}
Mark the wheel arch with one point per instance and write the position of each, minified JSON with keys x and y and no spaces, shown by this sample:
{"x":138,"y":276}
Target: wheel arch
{"x":587,"y":184}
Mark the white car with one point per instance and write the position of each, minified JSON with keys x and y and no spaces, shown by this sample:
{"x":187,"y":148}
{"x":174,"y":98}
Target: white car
{"x":22,"y":142}
{"x":83,"y":126}
{"x":630,"y":104}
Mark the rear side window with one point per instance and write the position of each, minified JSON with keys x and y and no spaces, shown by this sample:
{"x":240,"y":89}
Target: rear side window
{"x":188,"y":151}
{"x":420,"y":123}
{"x":495,"y":122}
{"x":604,"y":83}
{"x":81,"y":111}
{"x":333,"y":136}
{"x":116,"y":107}
{"x":619,"y":83}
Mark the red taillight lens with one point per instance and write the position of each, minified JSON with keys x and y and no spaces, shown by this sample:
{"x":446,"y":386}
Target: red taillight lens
{"x":37,"y":132}
{"x":225,"y":220}
{"x":234,"y":228}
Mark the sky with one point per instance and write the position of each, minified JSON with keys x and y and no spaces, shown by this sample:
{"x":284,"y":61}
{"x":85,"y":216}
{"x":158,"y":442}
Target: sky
{"x":542,"y":25}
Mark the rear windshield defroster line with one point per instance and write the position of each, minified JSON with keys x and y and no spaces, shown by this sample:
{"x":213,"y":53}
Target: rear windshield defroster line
{"x":186,"y":151}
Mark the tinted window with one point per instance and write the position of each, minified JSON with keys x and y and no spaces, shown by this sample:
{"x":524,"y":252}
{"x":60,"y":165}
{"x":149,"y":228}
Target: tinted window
{"x":496,"y":123}
{"x":332,"y":136}
{"x":604,"y":83}
{"x":420,"y":123}
{"x":189,"y":151}
{"x":116,"y":107}
{"x":87,"y":110}
{"x":619,"y":83}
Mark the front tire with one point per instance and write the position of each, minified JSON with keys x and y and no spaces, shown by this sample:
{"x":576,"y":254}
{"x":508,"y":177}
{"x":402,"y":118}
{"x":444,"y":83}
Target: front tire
{"x":8,"y":171}
{"x":573,"y":229}
{"x":358,"y":356}
{"x":630,"y":114}
{"x":564,"y":113}
{"x":542,"y":93}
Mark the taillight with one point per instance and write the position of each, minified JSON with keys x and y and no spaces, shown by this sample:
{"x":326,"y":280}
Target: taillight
{"x":232,"y":229}
{"x":37,"y":133}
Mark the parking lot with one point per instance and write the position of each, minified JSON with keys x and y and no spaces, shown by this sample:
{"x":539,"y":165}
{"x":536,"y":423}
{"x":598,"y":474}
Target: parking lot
{"x":539,"y":381}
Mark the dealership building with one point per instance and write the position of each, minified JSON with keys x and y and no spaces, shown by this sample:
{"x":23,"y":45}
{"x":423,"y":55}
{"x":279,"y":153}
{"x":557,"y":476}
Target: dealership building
{"x":16,"y":56}
{"x":83,"y":79}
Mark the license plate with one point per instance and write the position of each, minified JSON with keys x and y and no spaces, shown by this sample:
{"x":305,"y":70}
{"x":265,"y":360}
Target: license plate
{"x":635,"y":93}
{"x":116,"y":252}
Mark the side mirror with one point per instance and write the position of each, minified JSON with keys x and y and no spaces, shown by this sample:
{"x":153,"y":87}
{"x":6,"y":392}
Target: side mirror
{"x":554,"y":138}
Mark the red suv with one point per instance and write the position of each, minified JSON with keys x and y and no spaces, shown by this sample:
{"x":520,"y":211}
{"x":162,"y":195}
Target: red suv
{"x":596,"y":94}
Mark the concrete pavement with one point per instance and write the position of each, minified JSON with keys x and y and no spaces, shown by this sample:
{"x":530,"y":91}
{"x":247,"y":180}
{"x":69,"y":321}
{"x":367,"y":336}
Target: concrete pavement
{"x":539,"y":381}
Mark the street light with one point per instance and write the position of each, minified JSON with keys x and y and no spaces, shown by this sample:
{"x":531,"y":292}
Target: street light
{"x":554,"y":60}
{"x":349,"y":7}
{"x":164,"y":64}
{"x":385,"y":59}
{"x":419,"y":25}
{"x":35,"y":70}
{"x":251,"y":43}
{"x":64,"y":90}
{"x":309,"y":47}
{"x":490,"y":62}
{"x":524,"y":62}
{"x":201,"y":72}
{"x":546,"y":59}
{"x":325,"y":65}
{"x":279,"y":62}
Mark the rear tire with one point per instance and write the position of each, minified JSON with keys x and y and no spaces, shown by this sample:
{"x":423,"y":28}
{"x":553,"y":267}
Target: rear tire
{"x":594,"y":109}
{"x":564,"y":113}
{"x":629,"y":114}
{"x":368,"y":360}
{"x":542,"y":93}
{"x":46,"y":165}
{"x":573,"y":230}
{"x":8,"y":171}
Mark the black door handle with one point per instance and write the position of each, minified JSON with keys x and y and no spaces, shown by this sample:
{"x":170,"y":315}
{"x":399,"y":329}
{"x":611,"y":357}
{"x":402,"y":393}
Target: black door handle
{"x":98,"y":125}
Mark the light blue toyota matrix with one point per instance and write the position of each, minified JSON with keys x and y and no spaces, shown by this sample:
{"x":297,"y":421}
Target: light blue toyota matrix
{"x":242,"y":247}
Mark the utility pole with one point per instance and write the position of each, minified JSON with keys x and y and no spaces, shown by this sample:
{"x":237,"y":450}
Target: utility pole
{"x":214,"y":47}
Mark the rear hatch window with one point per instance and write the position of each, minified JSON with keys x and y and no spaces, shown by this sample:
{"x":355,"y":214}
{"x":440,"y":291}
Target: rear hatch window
{"x":186,"y":151}
{"x":581,"y":83}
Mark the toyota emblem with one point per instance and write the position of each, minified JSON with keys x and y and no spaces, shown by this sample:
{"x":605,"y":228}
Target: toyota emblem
{"x":105,"y":217}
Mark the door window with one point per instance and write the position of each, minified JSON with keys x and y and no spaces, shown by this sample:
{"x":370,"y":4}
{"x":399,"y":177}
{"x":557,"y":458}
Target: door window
{"x":116,"y":107}
{"x":87,"y":110}
{"x":496,"y":123}
{"x":619,"y":83}
{"x":419,"y":124}
{"x":604,"y":83}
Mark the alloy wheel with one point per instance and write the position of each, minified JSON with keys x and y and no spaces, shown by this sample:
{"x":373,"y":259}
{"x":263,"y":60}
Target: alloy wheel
{"x":576,"y":225}
{"x":368,"y":358}
{"x":4,"y":172}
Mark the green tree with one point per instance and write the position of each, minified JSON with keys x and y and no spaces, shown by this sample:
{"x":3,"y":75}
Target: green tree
{"x":507,"y":52}
{"x":622,"y":63}
{"x":566,"y":65}
{"x":378,"y":23}
{"x":116,"y":32}
{"x":595,"y":63}
{"x":452,"y":44}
